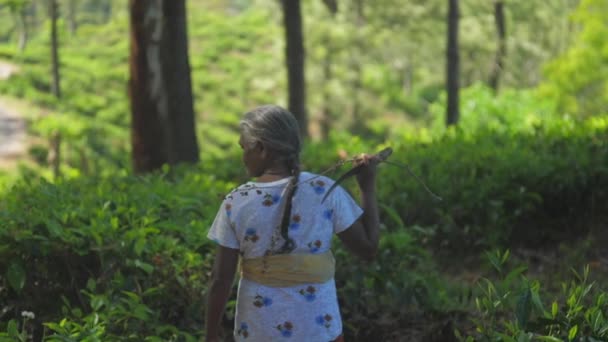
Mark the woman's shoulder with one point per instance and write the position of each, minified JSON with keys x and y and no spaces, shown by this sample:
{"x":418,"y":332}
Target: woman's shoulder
{"x":318,"y":184}
{"x":252,"y":193}
{"x":310,"y":177}
{"x":239,"y":192}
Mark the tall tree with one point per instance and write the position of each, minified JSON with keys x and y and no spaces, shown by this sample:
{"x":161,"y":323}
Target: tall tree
{"x":53,"y":14}
{"x":294,"y":59}
{"x":332,"y":6}
{"x":24,"y":29}
{"x":452,"y":64}
{"x":18,"y":9}
{"x":160,"y":87}
{"x":72,"y":22}
{"x":501,"y":50}
{"x":358,"y":125}
{"x":326,"y":110}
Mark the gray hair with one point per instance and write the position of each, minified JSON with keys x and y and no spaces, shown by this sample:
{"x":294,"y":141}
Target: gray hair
{"x":276,"y":128}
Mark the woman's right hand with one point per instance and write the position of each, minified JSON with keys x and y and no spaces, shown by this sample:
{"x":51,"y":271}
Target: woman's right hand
{"x":367,"y":176}
{"x":363,"y":236}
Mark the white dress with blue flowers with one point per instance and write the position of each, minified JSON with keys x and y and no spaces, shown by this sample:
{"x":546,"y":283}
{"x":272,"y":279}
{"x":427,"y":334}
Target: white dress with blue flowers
{"x":249,"y":221}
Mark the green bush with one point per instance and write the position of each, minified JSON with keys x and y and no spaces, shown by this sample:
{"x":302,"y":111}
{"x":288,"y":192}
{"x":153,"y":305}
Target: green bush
{"x":130,"y":250}
{"x":578,"y":79}
{"x":126,"y":258}
{"x":512,"y":110}
{"x":105,"y":255}
{"x":403,"y":281}
{"x":498,"y":185}
{"x":511,"y":308}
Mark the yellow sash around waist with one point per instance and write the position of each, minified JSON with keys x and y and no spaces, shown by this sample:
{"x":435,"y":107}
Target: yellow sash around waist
{"x":285,"y":270}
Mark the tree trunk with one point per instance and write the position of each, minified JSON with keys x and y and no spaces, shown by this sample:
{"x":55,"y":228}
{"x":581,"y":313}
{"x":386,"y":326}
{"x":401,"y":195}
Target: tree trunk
{"x":294,"y":59}
{"x":498,"y":66}
{"x":54,"y":156}
{"x":55,"y":86}
{"x":162,"y":112}
{"x":452,"y":64}
{"x":72,"y":23}
{"x":326,"y":112}
{"x":33,"y":12}
{"x":145,"y":86}
{"x":358,"y":125}
{"x":107,"y":11}
{"x":179,"y":85}
{"x":23,"y":33}
{"x":332,"y":6}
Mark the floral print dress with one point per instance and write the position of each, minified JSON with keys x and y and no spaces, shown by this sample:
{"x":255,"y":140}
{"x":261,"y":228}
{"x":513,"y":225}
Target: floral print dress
{"x":249,"y":220}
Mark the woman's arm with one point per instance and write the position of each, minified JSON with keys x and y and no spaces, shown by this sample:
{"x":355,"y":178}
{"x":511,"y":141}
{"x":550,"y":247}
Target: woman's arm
{"x":222,"y":275}
{"x":363,"y":236}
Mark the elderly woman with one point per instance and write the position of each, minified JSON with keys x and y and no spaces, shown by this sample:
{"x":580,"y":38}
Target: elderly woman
{"x":282,"y":230}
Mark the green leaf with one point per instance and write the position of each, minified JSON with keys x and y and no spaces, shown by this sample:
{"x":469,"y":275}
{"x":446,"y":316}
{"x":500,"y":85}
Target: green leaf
{"x":523,"y":337}
{"x":516,"y":272}
{"x":54,"y":326}
{"x":114,"y":223}
{"x":522,"y":311}
{"x":538,"y":304}
{"x":189,"y":338}
{"x":505,"y":256}
{"x":77,"y":312}
{"x":139,"y":246}
{"x":54,"y":228}
{"x":91,"y":284}
{"x":97,"y":302}
{"x":548,"y":339}
{"x":16,"y":276}
{"x":141,"y":312}
{"x":394,"y":215}
{"x":144,"y":266}
{"x":154,"y":339}
{"x":495,"y":261}
{"x":554,"y":309}
{"x":572,"y":333}
{"x":132,"y":296}
{"x":12,"y":329}
{"x":505,"y":338}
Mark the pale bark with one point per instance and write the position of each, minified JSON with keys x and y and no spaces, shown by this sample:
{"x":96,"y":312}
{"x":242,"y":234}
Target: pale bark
{"x":144,"y":84}
{"x":72,"y":22}
{"x":160,"y":87}
{"x":23,"y":29}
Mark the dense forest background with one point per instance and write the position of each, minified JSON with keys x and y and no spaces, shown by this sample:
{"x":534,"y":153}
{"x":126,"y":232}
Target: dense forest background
{"x":130,"y":112}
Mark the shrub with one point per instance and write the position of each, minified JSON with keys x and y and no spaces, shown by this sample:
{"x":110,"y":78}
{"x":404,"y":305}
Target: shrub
{"x":512,"y":309}
{"x":128,"y":250}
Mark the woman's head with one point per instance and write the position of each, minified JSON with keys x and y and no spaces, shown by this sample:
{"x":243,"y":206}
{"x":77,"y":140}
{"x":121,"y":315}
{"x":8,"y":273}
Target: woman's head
{"x":269,"y":135}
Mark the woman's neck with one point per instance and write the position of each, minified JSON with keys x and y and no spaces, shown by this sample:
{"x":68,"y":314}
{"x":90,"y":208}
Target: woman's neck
{"x":272,"y":174}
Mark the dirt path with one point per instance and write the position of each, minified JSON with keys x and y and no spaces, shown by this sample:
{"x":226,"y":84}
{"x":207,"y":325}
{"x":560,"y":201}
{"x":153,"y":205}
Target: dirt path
{"x":12,"y":125}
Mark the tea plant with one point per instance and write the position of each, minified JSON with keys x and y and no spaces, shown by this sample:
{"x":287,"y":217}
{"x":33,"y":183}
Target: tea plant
{"x":512,"y":310}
